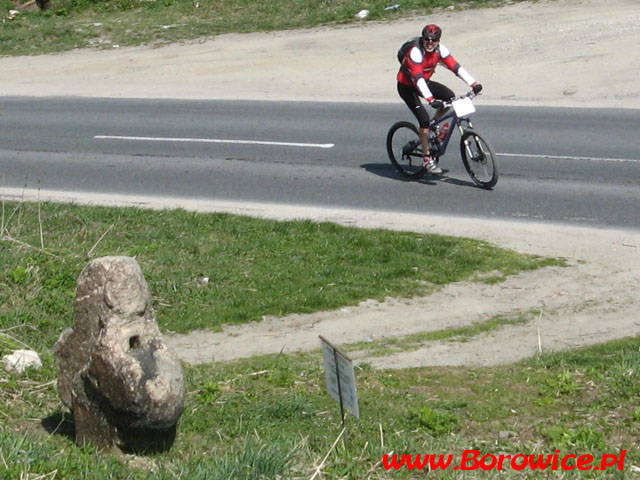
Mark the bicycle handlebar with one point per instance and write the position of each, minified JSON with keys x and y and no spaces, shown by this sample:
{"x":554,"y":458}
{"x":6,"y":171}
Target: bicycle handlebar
{"x":469,"y":94}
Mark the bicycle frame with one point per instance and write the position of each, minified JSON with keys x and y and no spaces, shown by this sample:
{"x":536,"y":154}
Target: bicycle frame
{"x":460,"y":123}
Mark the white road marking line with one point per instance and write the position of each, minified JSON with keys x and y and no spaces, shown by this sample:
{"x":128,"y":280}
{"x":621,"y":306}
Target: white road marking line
{"x":214,"y":140}
{"x":566,"y":157}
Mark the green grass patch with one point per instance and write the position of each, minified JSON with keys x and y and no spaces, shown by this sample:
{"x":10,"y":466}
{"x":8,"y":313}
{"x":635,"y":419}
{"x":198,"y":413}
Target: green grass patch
{"x":415,"y":341}
{"x":206,"y":270}
{"x":270,"y":418}
{"x":73,"y":24}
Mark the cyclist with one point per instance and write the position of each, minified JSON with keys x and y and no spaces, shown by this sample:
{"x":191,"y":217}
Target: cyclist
{"x":414,"y":82}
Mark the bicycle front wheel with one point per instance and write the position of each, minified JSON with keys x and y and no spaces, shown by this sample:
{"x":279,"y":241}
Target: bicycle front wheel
{"x":405,"y":150}
{"x":479,"y":159}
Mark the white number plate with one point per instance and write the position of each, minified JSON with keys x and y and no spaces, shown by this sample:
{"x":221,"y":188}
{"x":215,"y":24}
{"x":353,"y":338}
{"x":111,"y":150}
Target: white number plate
{"x":463,"y":107}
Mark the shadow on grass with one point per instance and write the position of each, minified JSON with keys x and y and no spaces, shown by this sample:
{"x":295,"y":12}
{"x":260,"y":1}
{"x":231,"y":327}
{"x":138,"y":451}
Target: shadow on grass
{"x":60,"y":423}
{"x":138,"y":442}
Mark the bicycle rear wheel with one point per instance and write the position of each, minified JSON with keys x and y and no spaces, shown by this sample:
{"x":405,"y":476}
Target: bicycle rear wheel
{"x":479,"y":159}
{"x":405,"y":150}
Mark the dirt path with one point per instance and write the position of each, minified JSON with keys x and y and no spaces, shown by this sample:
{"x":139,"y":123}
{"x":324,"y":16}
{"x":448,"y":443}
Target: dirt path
{"x":572,"y":53}
{"x":593,"y":300}
{"x":558,"y":53}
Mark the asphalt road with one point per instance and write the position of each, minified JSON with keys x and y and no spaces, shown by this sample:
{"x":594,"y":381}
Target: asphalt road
{"x":575,"y":166}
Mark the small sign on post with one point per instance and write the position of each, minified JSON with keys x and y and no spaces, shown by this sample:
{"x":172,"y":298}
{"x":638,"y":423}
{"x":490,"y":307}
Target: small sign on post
{"x":341,"y":378}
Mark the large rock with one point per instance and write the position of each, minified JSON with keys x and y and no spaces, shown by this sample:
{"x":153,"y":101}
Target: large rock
{"x":116,"y":374}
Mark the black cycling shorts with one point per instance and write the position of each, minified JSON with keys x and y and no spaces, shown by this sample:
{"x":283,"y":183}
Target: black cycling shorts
{"x":412,"y":99}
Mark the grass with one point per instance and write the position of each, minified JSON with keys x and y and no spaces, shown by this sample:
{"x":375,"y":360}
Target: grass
{"x":271,"y":418}
{"x":407,"y":343}
{"x":206,"y":270}
{"x":266,"y":417}
{"x":71,"y":24}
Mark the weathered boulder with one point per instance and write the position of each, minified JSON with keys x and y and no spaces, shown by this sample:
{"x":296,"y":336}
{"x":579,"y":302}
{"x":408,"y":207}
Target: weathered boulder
{"x":116,"y":374}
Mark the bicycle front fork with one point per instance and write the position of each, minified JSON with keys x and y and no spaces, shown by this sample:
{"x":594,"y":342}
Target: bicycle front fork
{"x":464,"y":124}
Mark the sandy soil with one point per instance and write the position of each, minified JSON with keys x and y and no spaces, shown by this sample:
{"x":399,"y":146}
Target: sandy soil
{"x":565,"y":53}
{"x":573,"y":53}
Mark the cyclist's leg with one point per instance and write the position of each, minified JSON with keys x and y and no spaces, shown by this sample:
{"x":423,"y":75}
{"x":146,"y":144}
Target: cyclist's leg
{"x":441,"y":92}
{"x":411,"y":98}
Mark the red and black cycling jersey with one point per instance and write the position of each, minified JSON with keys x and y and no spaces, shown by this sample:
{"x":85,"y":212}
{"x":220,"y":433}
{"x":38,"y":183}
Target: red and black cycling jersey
{"x":418,"y":67}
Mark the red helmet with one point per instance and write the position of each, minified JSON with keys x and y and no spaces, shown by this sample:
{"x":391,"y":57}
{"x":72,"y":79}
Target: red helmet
{"x":432,"y":32}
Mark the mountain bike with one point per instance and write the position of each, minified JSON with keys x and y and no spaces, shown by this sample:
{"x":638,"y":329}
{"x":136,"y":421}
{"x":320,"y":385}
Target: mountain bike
{"x":478,"y":156}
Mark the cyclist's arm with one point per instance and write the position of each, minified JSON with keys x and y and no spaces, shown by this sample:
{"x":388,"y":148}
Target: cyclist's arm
{"x":451,"y":63}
